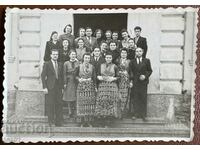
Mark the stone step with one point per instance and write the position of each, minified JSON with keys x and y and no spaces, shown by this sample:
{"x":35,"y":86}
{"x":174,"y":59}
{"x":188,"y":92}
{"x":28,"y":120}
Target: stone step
{"x":169,"y":130}
{"x":124,"y":123}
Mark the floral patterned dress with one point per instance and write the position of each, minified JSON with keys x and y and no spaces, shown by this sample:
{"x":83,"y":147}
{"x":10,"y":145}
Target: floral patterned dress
{"x":108,"y":101}
{"x":124,"y":83}
{"x":86,"y":90}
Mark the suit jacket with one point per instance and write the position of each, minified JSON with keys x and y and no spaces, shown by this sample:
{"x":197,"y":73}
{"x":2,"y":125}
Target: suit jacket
{"x":49,"y":76}
{"x":135,"y":70}
{"x":142,"y":43}
{"x":98,"y":63}
{"x":91,"y":45}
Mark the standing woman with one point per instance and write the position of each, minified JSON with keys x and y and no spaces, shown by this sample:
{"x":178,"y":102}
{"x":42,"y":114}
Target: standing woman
{"x":81,"y":49}
{"x":99,"y":36}
{"x":70,"y":84}
{"x":115,"y":36}
{"x":123,"y":65}
{"x":81,"y":34}
{"x":115,"y":51}
{"x":86,"y":91}
{"x":125,"y":37}
{"x":108,"y":101}
{"x":51,"y":44}
{"x":64,"y":53}
{"x":131,"y":49}
{"x":108,"y":36}
{"x":67,"y":35}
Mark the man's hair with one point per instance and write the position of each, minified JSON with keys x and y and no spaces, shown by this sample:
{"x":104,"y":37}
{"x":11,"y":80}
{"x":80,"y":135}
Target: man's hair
{"x":88,"y":28}
{"x":124,"y":49}
{"x":130,"y":39}
{"x":115,"y":32}
{"x":54,"y":50}
{"x":97,"y":47}
{"x":140,"y":48}
{"x":138,"y":28}
{"x":124,"y":30}
{"x":108,"y":53}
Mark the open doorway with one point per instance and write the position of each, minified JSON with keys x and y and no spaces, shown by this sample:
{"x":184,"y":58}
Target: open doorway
{"x":113,"y":22}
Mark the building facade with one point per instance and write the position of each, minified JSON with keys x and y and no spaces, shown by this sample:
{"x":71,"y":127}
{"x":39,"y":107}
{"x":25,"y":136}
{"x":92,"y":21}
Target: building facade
{"x":171,"y":39}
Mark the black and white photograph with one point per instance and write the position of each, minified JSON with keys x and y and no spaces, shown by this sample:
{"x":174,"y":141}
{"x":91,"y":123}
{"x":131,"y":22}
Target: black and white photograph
{"x":110,"y":74}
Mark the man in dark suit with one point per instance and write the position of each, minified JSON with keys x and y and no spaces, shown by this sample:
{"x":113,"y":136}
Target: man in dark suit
{"x":97,"y":60}
{"x":52,"y":81}
{"x":140,"y":71}
{"x":140,"y":41}
{"x":90,"y":41}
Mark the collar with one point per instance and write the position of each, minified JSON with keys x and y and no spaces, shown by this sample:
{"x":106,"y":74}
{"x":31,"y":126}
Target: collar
{"x":96,"y":56}
{"x":53,"y":61}
{"x":123,"y":58}
{"x":72,"y":61}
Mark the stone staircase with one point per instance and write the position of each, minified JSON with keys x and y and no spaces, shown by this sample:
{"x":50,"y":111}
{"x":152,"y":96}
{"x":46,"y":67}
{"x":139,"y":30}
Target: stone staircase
{"x":152,"y":127}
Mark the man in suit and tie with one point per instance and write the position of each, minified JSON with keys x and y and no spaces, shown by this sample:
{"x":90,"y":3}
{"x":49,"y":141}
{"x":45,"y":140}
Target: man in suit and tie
{"x":90,"y":41}
{"x":52,"y":81}
{"x":140,"y":41}
{"x":97,"y":59}
{"x":140,"y":71}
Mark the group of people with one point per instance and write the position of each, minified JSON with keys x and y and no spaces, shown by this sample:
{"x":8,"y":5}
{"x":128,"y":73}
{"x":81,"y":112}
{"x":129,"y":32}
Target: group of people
{"x":98,"y":79}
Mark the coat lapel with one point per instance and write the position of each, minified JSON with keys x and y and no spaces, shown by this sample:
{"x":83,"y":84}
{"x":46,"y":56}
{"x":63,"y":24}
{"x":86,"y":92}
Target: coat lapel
{"x":51,"y":66}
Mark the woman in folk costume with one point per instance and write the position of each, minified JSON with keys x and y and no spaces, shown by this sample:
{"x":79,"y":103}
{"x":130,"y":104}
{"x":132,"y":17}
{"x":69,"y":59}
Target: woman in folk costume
{"x":124,"y":83}
{"x":86,"y":91}
{"x":108,"y":101}
{"x":81,"y":49}
{"x":70,"y":83}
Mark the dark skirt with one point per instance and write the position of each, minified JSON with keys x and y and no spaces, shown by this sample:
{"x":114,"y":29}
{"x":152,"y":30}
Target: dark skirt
{"x":86,"y":98}
{"x":108,"y":101}
{"x":69,"y":93}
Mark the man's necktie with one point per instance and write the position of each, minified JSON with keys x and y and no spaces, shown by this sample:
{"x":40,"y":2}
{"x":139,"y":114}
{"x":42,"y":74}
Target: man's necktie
{"x":56,"y":69}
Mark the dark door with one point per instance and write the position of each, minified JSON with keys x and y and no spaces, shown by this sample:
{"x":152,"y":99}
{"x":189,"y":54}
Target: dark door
{"x":113,"y":22}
